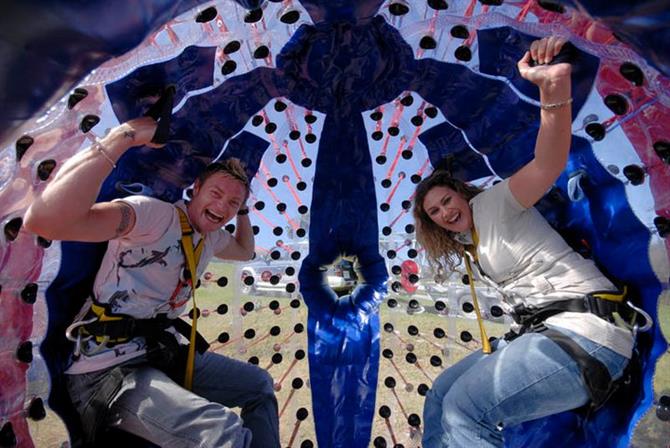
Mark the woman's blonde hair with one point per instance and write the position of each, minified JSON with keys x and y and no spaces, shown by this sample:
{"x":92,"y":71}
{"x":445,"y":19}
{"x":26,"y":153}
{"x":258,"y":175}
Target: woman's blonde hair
{"x":443,"y":251}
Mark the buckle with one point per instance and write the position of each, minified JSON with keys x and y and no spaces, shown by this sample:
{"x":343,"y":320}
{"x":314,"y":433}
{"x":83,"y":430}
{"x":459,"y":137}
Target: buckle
{"x":600,"y":307}
{"x":520,"y":312}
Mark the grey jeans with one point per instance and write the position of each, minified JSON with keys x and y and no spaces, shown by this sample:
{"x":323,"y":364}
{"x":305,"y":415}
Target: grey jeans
{"x":152,"y":406}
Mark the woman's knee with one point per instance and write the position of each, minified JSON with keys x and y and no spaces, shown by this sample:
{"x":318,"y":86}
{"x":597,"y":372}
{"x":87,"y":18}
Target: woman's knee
{"x":460,"y":406}
{"x":434,"y":397}
{"x":444,"y":382}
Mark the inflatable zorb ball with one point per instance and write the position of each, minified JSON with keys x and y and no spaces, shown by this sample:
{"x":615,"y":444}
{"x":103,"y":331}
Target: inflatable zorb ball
{"x":337,"y":108}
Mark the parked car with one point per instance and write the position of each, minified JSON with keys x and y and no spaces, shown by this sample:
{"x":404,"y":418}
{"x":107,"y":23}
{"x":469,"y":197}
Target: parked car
{"x":269,"y":279}
{"x":280,"y":278}
{"x":342,"y":277}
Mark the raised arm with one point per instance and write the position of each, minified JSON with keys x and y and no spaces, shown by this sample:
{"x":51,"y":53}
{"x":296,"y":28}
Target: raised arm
{"x":552,"y":146}
{"x":66,"y":209}
{"x":243,"y":245}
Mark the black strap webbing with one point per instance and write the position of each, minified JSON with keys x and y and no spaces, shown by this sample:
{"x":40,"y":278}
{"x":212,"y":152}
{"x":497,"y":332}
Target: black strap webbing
{"x":594,"y":373}
{"x":184,"y":329}
{"x":161,"y":111}
{"x":128,"y":328}
{"x":95,"y":413}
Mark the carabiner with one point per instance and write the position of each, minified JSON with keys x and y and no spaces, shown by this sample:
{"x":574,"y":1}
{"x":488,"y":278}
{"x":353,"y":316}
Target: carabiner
{"x":648,"y":321}
{"x":69,"y":332}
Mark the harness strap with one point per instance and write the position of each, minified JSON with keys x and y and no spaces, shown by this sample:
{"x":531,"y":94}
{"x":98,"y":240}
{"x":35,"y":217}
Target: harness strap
{"x":611,"y":296}
{"x":161,"y":111}
{"x":117,"y":329}
{"x":192,"y":257}
{"x":185,"y":329}
{"x":95,"y":413}
{"x":472,"y":250}
{"x":486,"y":344}
{"x":602,"y":303}
{"x":595,"y":375}
{"x":531,"y":317}
{"x":123,"y":329}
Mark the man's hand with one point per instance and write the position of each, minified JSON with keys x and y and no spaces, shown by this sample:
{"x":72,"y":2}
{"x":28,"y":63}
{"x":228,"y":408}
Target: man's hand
{"x":136,"y":132}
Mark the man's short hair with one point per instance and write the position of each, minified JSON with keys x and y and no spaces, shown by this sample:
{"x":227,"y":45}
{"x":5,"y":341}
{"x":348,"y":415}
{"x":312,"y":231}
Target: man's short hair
{"x":232,"y":167}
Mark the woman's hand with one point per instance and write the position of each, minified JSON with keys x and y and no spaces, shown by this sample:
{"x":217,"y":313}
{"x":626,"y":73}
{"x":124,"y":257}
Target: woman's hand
{"x":543,"y":52}
{"x":552,"y":146}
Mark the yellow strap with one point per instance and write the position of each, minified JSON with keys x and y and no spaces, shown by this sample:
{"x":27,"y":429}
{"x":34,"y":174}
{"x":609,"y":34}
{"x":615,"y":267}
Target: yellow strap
{"x":475,"y":243}
{"x":192,"y":258}
{"x":99,"y":311}
{"x":186,"y":229}
{"x":486,"y":344}
{"x":611,"y":296}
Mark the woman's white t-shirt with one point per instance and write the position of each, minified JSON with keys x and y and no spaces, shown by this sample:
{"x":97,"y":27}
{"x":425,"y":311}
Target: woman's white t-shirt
{"x":532,"y":264}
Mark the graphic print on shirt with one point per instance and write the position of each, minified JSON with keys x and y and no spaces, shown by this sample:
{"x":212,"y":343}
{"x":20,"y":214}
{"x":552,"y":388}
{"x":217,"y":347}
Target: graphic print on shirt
{"x":127,"y":259}
{"x":155,"y":257}
{"x":118,"y":300}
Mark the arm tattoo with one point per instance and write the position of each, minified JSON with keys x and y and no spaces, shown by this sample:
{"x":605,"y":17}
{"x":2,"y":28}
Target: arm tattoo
{"x":124,"y":223}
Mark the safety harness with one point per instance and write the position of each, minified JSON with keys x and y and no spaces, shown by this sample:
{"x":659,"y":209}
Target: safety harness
{"x":192,"y":258}
{"x":607,"y":305}
{"x":603,"y":304}
{"x":109,"y":329}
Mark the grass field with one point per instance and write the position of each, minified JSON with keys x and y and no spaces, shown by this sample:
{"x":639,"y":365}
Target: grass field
{"x":403,"y":400}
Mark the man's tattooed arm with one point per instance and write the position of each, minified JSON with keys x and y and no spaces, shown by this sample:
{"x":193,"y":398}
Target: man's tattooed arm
{"x":126,"y":218}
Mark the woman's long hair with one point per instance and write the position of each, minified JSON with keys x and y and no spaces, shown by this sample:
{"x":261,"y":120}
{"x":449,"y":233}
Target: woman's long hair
{"x":444,"y":252}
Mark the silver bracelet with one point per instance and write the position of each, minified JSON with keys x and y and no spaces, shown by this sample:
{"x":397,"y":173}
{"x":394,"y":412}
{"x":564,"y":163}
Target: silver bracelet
{"x":552,"y":106}
{"x":101,"y":149}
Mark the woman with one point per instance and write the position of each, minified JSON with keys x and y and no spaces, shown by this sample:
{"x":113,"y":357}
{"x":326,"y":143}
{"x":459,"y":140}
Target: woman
{"x":512,"y":247}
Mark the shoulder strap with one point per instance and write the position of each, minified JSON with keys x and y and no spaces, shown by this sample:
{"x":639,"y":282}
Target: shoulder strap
{"x":187,"y":236}
{"x":472,"y":251}
{"x":475,"y":242}
{"x":192,"y":257}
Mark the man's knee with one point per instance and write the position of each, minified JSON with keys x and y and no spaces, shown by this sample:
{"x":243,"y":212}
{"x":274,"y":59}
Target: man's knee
{"x":263,"y":385}
{"x":265,"y":382}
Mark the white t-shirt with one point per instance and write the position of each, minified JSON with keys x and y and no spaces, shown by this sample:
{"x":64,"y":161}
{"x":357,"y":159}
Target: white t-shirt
{"x":139,"y":275}
{"x":533,"y":265}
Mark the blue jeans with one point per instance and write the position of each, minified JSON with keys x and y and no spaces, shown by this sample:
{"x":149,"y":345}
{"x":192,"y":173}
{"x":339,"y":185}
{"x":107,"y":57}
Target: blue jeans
{"x":526,"y":379}
{"x":152,"y":406}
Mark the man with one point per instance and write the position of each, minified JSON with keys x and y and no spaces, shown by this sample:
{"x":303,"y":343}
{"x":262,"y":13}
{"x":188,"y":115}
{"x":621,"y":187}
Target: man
{"x":126,"y":367}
